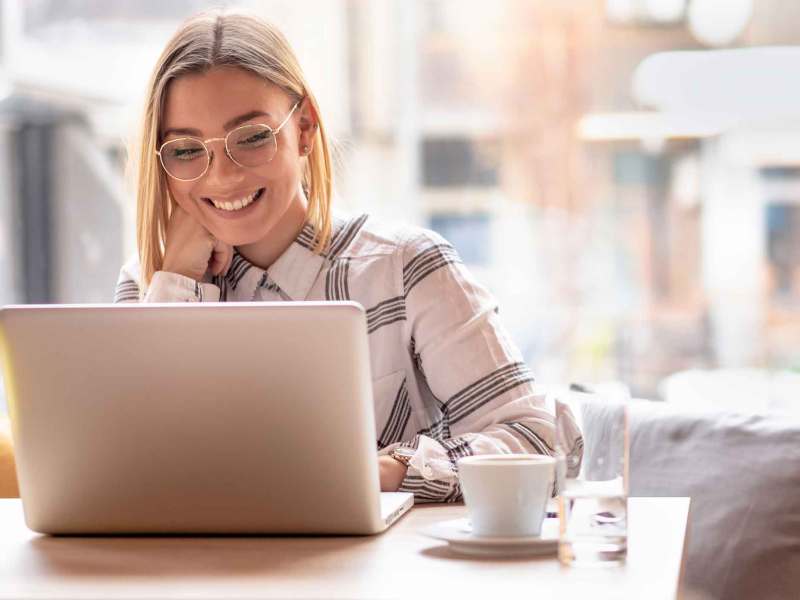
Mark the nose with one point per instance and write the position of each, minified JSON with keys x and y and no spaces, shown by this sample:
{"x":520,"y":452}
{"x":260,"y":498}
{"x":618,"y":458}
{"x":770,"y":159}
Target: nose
{"x":222,"y":171}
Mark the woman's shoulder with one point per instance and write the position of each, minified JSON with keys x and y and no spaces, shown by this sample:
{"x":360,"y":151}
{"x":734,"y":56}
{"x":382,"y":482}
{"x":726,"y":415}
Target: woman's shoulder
{"x":130,"y":270}
{"x":378,"y":236}
{"x":127,"y":288}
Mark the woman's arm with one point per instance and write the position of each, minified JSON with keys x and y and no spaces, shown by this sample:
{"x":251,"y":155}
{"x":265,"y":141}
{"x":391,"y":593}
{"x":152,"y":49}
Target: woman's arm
{"x":482,"y":395}
{"x":164,"y":287}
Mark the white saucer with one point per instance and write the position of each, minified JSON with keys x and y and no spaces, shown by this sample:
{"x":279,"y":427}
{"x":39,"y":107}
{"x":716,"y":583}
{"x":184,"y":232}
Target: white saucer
{"x":458,"y":533}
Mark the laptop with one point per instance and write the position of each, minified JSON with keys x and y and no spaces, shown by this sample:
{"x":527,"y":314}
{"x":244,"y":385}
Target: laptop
{"x":207,"y":418}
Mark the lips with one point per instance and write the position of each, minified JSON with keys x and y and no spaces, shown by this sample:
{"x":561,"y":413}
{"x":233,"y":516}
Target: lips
{"x":237,"y":204}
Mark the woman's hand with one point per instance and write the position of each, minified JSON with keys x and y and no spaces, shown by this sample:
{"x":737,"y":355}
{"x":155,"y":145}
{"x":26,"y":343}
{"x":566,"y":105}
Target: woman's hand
{"x":392,"y":472}
{"x":191,"y":250}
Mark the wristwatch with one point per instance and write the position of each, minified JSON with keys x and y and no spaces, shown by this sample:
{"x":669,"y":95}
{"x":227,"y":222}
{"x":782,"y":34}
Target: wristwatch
{"x":403,"y":454}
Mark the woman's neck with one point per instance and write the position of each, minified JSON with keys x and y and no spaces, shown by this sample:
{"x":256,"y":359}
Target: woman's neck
{"x":266,"y":251}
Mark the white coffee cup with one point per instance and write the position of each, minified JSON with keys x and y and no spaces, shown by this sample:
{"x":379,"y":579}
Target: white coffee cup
{"x":506,"y":494}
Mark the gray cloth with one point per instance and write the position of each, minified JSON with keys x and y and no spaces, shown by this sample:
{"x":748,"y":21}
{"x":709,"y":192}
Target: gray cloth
{"x":603,"y":450}
{"x":743,"y":476}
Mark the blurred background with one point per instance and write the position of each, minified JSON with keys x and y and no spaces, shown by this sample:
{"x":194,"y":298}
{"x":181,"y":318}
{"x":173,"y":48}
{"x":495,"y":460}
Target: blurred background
{"x":635,"y":210}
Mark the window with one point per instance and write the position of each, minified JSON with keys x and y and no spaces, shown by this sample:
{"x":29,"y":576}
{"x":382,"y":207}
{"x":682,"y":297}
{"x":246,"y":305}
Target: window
{"x":459,"y":162}
{"x":470,"y":234}
{"x":783,"y":249}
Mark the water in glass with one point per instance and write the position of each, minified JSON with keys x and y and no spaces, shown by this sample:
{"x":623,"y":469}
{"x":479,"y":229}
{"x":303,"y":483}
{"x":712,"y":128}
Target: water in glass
{"x":592,"y":472}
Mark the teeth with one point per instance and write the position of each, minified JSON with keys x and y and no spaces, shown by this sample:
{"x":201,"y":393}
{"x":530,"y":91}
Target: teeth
{"x":236,"y":204}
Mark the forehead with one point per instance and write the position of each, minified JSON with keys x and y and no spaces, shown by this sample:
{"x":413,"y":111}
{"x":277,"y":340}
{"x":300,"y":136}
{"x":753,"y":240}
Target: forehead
{"x":205,"y":101}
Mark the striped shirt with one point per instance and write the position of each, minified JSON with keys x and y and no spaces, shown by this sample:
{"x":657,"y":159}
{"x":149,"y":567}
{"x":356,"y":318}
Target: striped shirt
{"x":446,"y":378}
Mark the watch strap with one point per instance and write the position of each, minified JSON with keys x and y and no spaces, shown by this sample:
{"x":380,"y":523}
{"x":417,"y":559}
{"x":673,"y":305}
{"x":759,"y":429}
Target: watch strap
{"x":403,"y":454}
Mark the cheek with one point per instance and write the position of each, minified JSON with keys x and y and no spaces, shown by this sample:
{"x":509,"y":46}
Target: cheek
{"x":182,"y":195}
{"x":285,"y":172}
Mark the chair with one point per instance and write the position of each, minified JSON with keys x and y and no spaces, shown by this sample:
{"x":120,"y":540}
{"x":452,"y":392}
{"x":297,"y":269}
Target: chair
{"x":742,"y":473}
{"x":8,"y":472}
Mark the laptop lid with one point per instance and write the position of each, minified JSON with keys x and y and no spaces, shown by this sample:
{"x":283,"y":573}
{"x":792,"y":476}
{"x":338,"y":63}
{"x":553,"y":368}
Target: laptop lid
{"x":193,"y":418}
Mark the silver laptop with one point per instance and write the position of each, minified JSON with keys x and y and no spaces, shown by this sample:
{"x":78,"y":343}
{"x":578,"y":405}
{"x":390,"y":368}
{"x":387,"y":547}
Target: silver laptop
{"x":253,"y":418}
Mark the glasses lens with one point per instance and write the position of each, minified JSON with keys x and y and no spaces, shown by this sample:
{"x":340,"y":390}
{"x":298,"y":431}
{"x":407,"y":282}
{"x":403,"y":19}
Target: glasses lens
{"x":252,"y":145}
{"x":184,"y":158}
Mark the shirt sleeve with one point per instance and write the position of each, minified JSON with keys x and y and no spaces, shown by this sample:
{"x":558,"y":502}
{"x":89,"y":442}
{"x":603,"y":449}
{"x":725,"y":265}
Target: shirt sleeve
{"x":483,"y":399}
{"x":164,"y":287}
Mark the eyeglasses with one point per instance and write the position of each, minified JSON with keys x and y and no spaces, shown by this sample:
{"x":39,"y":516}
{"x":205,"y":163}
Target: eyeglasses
{"x":188,"y":158}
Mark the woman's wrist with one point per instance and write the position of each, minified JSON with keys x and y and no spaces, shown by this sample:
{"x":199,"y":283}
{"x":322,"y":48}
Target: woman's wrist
{"x":169,"y":267}
{"x":392,"y":473}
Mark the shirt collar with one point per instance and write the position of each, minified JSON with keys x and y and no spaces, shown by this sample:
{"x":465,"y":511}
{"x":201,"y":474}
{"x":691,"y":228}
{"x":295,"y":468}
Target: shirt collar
{"x":296,"y":270}
{"x":293,"y":272}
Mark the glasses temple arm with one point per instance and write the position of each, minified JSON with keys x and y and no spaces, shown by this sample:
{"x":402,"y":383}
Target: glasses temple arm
{"x":289,"y":116}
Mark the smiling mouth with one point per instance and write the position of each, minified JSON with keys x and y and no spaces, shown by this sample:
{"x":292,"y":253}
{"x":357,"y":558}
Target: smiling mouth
{"x":236,"y":204}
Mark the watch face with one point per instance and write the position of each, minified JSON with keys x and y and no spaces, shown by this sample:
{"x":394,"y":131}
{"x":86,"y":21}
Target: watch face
{"x":404,"y":452}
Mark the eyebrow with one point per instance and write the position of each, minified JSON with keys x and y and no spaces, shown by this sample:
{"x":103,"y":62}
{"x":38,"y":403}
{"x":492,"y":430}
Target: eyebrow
{"x":236,"y":121}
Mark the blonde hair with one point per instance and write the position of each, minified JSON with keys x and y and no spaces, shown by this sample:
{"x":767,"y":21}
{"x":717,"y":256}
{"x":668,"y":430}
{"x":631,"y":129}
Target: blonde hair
{"x":211,"y":39}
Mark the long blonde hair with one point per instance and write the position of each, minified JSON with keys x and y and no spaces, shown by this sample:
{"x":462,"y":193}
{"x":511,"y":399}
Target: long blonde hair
{"x":210,"y":39}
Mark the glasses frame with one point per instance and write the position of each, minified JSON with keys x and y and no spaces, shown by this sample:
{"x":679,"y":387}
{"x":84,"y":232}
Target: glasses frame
{"x":205,"y":143}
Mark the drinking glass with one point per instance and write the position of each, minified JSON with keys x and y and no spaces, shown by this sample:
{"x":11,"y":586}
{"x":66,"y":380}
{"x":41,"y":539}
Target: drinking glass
{"x":592,"y":480}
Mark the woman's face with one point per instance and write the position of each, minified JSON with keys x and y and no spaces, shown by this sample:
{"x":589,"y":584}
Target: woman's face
{"x":211,"y":104}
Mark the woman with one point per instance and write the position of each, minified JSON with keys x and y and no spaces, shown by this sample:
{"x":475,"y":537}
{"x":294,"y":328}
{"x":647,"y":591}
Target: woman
{"x":234,"y":204}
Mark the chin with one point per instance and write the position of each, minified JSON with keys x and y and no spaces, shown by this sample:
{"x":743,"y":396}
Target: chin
{"x":239,"y":238}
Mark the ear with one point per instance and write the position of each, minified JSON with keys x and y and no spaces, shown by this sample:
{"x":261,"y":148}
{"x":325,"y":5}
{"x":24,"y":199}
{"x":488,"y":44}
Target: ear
{"x":307,"y":125}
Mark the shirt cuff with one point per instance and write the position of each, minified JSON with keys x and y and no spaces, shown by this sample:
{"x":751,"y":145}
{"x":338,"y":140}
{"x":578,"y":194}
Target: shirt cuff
{"x":172,"y":287}
{"x":431,"y":475}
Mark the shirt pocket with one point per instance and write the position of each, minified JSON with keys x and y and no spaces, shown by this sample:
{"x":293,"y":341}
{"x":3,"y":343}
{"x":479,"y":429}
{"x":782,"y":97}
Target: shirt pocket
{"x":392,"y":407}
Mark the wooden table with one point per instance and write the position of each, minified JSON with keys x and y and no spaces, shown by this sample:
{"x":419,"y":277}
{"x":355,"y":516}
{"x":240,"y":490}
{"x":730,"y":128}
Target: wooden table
{"x":401,"y":563}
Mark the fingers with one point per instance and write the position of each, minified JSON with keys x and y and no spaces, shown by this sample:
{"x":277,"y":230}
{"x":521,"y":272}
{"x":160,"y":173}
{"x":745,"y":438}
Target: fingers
{"x":229,"y":261}
{"x":214,"y":265}
{"x":221,"y":257}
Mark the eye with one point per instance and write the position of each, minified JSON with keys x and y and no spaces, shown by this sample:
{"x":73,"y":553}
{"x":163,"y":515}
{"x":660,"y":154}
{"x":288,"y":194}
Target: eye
{"x":255,"y":139}
{"x":186,"y":153}
{"x":183,"y":150}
